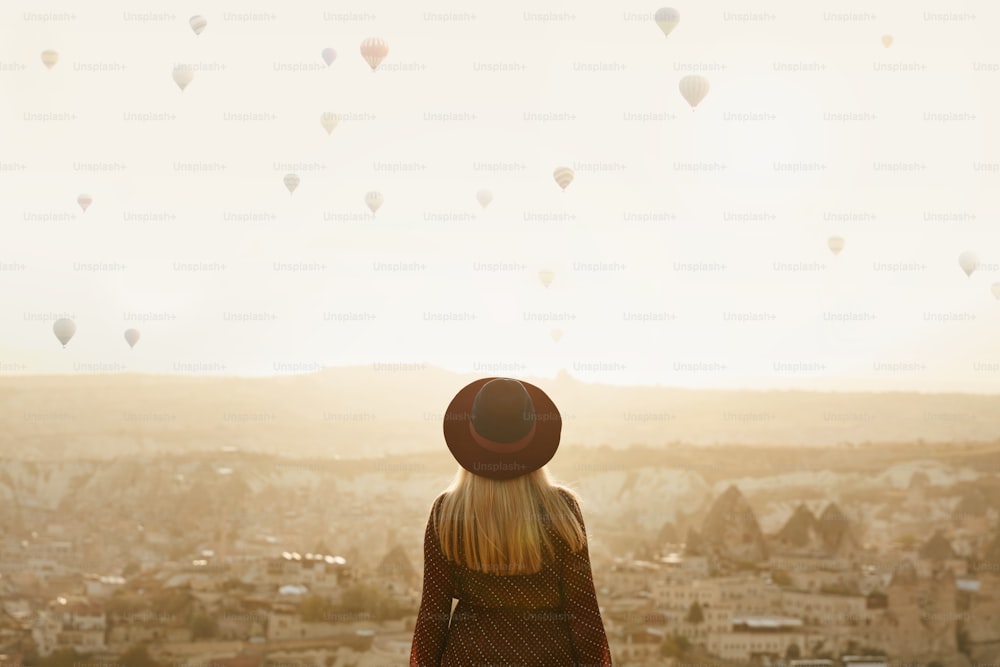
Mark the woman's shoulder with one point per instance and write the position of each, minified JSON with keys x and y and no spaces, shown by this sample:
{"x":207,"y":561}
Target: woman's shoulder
{"x":436,"y":505}
{"x":570,"y":497}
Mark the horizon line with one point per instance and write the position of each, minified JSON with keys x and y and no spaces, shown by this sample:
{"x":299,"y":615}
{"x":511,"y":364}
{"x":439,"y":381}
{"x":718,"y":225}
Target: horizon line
{"x":560,"y":376}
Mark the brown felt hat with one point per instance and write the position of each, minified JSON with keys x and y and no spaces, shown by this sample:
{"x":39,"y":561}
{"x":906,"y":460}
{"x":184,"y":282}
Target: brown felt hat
{"x":502,"y":428}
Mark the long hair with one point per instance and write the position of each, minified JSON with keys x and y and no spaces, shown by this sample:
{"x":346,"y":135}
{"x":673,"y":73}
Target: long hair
{"x":506,"y":526}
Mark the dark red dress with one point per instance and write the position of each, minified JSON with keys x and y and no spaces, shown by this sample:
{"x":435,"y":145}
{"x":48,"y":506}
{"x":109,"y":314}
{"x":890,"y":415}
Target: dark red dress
{"x":546,"y":619}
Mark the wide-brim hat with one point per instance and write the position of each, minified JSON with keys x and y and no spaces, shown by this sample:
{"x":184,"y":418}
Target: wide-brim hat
{"x":502,"y":428}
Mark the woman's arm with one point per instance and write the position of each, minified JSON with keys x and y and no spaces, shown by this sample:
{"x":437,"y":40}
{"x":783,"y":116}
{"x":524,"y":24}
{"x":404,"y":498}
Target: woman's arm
{"x":431,"y":630}
{"x":590,"y":642}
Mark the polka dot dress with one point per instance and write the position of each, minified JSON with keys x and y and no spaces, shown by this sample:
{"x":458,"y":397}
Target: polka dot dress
{"x":546,"y":619}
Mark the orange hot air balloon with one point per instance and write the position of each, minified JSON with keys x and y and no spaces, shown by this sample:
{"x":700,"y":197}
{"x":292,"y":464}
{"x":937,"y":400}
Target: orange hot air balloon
{"x":374,"y":50}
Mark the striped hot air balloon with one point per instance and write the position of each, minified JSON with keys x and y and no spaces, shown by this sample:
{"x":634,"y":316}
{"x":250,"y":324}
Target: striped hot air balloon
{"x":374,"y":201}
{"x":693,"y":87}
{"x":291,"y":182}
{"x":835,"y":244}
{"x":563,"y":176}
{"x":84,"y":201}
{"x":374,"y":50}
{"x":198,"y":24}
{"x":50,"y":58}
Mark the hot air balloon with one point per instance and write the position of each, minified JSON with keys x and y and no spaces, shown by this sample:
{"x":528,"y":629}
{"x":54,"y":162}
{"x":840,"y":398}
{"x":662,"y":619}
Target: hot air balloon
{"x":969,"y":262}
{"x":693,"y":87}
{"x":291,"y":182}
{"x":329,"y":55}
{"x":198,"y":24}
{"x":131,"y":337}
{"x":374,"y":201}
{"x":183,"y":74}
{"x":329,"y":121}
{"x":835,"y":244}
{"x":50,"y":58}
{"x":887,"y":41}
{"x":996,"y":290}
{"x":64,"y":328}
{"x":563,"y":176}
{"x":556,"y":334}
{"x":667,"y":18}
{"x":484,"y":197}
{"x":546,"y":277}
{"x":374,"y":50}
{"x":84,"y":201}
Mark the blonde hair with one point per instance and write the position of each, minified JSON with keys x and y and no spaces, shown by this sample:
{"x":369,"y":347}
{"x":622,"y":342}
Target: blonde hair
{"x":506,"y":526}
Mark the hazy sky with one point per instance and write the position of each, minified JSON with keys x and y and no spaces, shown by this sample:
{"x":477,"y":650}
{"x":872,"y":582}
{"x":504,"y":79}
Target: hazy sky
{"x":858,"y":128}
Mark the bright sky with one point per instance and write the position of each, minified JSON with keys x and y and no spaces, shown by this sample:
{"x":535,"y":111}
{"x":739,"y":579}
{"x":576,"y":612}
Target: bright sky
{"x":156,"y":217}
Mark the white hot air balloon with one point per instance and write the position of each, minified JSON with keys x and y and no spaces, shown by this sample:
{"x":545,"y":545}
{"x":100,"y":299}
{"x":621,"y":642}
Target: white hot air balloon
{"x":374,"y":50}
{"x":563,"y":176}
{"x":996,"y":290}
{"x":84,"y":201}
{"x":667,"y":19}
{"x":131,"y":337}
{"x":484,"y":197}
{"x":329,"y":55}
{"x":183,"y":75}
{"x":64,"y":328}
{"x":329,"y":121}
{"x":693,"y":87}
{"x":198,"y":24}
{"x":556,"y":335}
{"x":969,"y":262}
{"x":50,"y":58}
{"x":546,"y":277}
{"x":374,"y":201}
{"x":835,"y":244}
{"x":291,"y":182}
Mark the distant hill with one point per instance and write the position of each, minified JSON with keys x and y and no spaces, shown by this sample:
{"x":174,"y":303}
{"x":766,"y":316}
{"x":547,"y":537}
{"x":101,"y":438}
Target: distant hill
{"x":731,"y":529}
{"x":368,"y":411}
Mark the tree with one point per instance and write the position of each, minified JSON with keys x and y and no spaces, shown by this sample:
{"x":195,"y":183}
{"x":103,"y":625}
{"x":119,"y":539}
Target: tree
{"x":962,"y":640}
{"x":314,"y":608}
{"x":694,"y":614}
{"x":369,"y":601}
{"x":137,"y":656}
{"x":675,"y":646}
{"x":203,"y":627}
{"x":781,"y":578}
{"x":64,"y":657}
